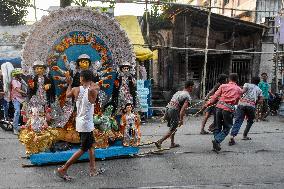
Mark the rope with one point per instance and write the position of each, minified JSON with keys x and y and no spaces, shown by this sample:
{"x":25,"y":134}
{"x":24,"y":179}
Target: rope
{"x":152,"y":152}
{"x":149,"y":141}
{"x":203,"y":50}
{"x":165,"y":149}
{"x":159,"y":3}
{"x":158,"y":150}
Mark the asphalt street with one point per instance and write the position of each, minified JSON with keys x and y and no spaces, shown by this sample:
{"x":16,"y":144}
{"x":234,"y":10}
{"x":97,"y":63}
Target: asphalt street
{"x":258,"y":163}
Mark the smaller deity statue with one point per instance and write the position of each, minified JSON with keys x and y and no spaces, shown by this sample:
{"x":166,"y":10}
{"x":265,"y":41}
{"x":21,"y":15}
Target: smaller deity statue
{"x":41,"y":86}
{"x":124,"y":89}
{"x":41,"y":95}
{"x":37,"y":122}
{"x":130,"y":127}
{"x":35,"y":134}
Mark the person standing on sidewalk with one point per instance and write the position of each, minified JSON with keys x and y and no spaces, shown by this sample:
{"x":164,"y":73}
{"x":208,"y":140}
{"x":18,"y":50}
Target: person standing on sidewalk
{"x":227,"y":96}
{"x":222,"y":79}
{"x":252,"y":95}
{"x":85,"y":96}
{"x":6,"y":69}
{"x":17,"y":97}
{"x":175,"y":113}
{"x":266,"y":91}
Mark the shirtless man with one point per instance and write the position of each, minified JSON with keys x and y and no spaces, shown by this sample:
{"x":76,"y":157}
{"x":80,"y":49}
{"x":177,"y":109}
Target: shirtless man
{"x":85,"y":96}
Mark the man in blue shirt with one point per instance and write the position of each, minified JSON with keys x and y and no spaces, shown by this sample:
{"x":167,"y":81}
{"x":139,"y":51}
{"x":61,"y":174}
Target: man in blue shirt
{"x":266,"y":91}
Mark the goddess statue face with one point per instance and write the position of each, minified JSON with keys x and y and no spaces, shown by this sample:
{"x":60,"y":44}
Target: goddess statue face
{"x":128,"y":108}
{"x":125,"y":69}
{"x":84,"y":64}
{"x":39,"y":70}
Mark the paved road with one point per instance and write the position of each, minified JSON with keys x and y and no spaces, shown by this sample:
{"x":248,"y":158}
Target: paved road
{"x":249,"y":164}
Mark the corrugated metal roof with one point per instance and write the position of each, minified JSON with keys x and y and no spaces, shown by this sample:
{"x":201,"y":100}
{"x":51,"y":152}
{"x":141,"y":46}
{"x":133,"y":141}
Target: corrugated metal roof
{"x":217,"y":21}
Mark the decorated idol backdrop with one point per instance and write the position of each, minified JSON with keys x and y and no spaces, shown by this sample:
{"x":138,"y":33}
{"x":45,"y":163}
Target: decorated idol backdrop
{"x":63,"y":44}
{"x":67,"y":50}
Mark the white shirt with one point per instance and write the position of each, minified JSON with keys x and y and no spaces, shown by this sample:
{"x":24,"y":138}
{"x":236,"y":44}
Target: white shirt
{"x":178,"y":100}
{"x":252,"y":94}
{"x":85,"y":111}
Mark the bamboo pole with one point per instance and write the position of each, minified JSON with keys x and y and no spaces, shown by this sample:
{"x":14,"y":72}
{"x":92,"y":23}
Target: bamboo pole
{"x":206,"y":53}
{"x":35,"y":9}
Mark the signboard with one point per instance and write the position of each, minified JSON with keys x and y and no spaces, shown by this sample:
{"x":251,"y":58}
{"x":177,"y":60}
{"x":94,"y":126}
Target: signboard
{"x":142,"y":93}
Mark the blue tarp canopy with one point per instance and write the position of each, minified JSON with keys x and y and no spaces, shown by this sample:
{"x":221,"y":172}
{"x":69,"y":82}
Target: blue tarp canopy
{"x":15,"y":61}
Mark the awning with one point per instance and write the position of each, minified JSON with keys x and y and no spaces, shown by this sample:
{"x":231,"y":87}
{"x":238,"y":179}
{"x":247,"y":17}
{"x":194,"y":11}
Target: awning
{"x":131,"y":26}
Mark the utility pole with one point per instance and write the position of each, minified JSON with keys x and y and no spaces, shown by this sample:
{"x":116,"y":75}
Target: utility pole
{"x":147,"y":24}
{"x":35,"y":9}
{"x":206,"y":52}
{"x":276,"y":61}
{"x":282,"y":68}
{"x":186,"y":45}
{"x":232,"y":11}
{"x":281,"y":108}
{"x":278,"y":25}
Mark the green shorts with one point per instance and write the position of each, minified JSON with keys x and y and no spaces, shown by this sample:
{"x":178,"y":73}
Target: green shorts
{"x":172,"y":117}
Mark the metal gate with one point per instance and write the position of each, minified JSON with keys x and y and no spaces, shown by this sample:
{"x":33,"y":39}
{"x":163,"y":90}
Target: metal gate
{"x":216,"y":65}
{"x":242,"y":68}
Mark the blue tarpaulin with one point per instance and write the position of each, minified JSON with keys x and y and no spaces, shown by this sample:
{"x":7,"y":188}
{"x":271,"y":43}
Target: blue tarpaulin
{"x":116,"y":150}
{"x":15,"y":61}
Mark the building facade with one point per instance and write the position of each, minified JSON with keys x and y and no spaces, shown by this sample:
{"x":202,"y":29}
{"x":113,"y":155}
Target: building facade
{"x":260,"y":12}
{"x":248,"y":10}
{"x":181,"y":49}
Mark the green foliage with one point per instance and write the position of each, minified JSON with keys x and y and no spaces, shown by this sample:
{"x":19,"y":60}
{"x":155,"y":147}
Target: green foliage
{"x":104,"y":9}
{"x":112,"y":4}
{"x":157,"y":17}
{"x":13,"y":13}
{"x":81,"y":3}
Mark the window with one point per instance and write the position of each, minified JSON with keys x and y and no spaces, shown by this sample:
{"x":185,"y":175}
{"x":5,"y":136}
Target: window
{"x":226,"y":2}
